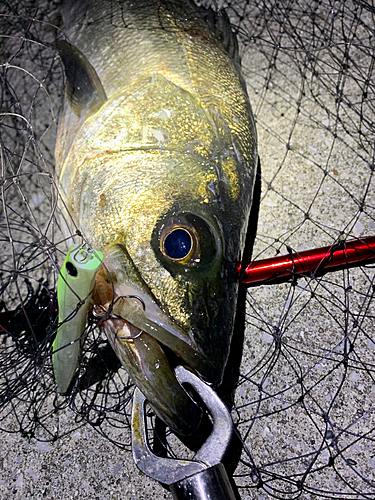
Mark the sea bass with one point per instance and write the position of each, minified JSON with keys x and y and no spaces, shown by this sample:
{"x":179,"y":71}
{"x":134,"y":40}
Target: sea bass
{"x":155,"y":161}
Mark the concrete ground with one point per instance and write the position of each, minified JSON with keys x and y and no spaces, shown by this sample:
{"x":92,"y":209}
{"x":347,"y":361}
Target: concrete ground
{"x":300,"y":405}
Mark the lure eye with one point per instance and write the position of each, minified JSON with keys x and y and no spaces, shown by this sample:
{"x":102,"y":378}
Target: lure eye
{"x":71,"y":269}
{"x":178,"y":245}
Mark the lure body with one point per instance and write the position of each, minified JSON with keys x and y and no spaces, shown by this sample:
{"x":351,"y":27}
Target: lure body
{"x":74,"y":289}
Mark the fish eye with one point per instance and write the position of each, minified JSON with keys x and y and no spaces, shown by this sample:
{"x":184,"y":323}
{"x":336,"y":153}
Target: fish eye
{"x":186,"y":239}
{"x":178,"y":245}
{"x":179,"y":242}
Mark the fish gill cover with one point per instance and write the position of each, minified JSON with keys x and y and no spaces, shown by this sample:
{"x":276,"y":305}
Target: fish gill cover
{"x":304,"y":404}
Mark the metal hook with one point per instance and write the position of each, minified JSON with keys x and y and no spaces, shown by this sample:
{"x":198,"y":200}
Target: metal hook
{"x":131,"y":297}
{"x":106,"y":313}
{"x":102,"y":314}
{"x":171,"y":471}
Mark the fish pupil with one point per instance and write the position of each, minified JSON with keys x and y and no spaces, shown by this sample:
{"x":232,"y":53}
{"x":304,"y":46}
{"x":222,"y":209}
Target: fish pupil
{"x":177,"y":244}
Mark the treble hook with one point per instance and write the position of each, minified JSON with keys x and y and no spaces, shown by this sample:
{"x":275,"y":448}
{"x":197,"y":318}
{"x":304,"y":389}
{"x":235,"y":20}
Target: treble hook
{"x":106,"y":314}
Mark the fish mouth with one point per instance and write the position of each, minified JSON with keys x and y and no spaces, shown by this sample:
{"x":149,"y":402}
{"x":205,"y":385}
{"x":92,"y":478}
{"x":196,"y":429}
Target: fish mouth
{"x":142,"y":316}
{"x":149,"y":346}
{"x":147,"y":363}
{"x":148,"y":343}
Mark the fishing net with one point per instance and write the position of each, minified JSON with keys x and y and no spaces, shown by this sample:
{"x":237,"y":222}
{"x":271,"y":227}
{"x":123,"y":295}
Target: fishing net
{"x":304,"y":405}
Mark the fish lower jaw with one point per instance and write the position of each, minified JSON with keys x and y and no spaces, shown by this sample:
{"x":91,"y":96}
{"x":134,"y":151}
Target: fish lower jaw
{"x":140,"y":322}
{"x":125,"y":331}
{"x":151,"y":367}
{"x":143,"y":321}
{"x":145,"y":349}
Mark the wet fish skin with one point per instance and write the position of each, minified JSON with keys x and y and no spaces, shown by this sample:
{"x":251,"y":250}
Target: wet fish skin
{"x":173,"y":145}
{"x":154,"y":376}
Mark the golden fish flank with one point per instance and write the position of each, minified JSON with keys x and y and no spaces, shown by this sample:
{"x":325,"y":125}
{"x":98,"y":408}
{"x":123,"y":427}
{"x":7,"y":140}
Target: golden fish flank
{"x":155,"y":160}
{"x":169,"y":173}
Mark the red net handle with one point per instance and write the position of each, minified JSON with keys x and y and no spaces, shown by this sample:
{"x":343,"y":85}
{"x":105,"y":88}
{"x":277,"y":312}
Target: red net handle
{"x":347,"y":253}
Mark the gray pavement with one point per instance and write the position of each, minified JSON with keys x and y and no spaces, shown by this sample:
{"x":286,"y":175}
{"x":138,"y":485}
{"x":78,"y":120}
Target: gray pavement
{"x":315,"y":164}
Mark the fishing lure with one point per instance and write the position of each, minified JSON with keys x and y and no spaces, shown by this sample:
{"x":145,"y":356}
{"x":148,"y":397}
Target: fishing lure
{"x":74,"y":289}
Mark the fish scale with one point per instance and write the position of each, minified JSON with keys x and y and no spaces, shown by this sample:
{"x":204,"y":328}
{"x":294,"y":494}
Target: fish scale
{"x":173,"y":49}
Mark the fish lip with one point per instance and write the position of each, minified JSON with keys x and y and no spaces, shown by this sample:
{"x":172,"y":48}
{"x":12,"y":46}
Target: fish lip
{"x":165,"y":333}
{"x":122,"y":279}
{"x":137,"y":354}
{"x":109,"y":322}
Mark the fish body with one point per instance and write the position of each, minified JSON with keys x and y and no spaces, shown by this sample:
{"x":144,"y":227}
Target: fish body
{"x":155,"y":160}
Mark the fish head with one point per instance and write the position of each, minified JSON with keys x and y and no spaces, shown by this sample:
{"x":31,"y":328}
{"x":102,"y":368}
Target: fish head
{"x":181,"y":292}
{"x":158,"y":184}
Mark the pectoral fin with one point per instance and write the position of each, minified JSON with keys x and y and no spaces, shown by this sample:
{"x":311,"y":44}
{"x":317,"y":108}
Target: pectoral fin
{"x":84,"y":90}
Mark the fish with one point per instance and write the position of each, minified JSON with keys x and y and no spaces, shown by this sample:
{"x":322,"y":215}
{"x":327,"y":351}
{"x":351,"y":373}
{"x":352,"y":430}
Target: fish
{"x":156,"y":155}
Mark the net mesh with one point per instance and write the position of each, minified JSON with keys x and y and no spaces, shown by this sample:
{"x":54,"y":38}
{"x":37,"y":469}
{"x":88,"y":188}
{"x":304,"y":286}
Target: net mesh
{"x":304,"y":404}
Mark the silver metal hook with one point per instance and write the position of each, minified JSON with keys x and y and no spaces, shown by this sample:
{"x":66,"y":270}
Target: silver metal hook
{"x":102,"y":314}
{"x":106,"y":313}
{"x":131,"y":297}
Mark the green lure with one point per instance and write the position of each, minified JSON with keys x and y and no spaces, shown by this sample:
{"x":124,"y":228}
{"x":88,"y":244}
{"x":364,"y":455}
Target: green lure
{"x":74,"y":289}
